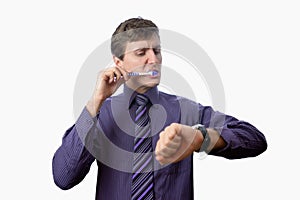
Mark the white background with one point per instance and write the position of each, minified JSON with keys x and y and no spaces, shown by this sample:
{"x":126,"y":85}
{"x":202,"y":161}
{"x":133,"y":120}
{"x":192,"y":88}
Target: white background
{"x":254,"y":45}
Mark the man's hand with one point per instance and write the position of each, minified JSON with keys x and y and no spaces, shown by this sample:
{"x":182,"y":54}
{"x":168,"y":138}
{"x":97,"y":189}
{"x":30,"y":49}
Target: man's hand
{"x":108,"y":81}
{"x":177,"y":142}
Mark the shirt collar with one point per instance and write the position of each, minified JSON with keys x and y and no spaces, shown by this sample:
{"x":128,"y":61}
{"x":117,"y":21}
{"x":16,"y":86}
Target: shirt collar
{"x":152,"y":94}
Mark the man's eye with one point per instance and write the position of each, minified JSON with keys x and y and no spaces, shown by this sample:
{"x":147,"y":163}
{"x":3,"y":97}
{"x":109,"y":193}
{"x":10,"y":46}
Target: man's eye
{"x":140,"y":53}
{"x":157,"y":51}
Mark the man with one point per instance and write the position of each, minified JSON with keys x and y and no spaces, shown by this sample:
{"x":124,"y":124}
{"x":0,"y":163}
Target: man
{"x":144,"y":139}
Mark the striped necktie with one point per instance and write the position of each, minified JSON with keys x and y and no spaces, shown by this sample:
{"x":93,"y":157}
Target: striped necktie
{"x":142,"y":174}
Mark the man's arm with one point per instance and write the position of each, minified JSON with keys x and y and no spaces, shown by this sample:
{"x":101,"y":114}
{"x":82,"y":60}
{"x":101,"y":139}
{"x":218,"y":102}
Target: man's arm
{"x":179,"y":141}
{"x":72,"y":161}
{"x":242,"y":138}
{"x":229,"y":138}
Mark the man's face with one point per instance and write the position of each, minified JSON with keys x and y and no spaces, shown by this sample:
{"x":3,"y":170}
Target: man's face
{"x":143,"y":56}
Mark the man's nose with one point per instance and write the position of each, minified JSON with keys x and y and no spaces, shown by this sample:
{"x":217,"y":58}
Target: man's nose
{"x":152,"y":57}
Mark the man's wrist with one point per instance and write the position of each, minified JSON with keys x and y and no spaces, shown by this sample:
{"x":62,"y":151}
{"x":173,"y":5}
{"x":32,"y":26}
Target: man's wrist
{"x":93,"y":107}
{"x":198,"y":140}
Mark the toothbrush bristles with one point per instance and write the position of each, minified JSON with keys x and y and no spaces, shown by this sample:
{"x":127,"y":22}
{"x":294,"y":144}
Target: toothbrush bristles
{"x":154,"y":73}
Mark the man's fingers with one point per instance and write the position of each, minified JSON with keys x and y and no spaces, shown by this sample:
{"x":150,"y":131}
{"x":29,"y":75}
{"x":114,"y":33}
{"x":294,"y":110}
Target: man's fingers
{"x":117,"y":74}
{"x":124,"y":74}
{"x":113,"y":74}
{"x":164,"y":160}
{"x":165,"y":140}
{"x":169,"y":144}
{"x":171,"y":131}
{"x":176,"y":139}
{"x":165,"y":146}
{"x":174,"y":143}
{"x":107,"y":75}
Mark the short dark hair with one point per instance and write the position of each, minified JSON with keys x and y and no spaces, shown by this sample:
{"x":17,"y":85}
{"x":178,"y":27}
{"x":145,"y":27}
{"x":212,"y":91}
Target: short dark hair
{"x":131,"y":30}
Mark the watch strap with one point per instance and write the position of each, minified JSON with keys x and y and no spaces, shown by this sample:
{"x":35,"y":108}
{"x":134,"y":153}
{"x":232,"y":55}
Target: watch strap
{"x":206,"y":138}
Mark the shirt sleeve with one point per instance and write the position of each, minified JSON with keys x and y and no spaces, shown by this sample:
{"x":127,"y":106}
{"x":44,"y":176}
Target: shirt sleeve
{"x":71,"y":162}
{"x":242,"y":138}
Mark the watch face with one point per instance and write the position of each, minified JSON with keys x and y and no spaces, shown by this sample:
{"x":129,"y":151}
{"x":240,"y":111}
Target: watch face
{"x":197,"y":126}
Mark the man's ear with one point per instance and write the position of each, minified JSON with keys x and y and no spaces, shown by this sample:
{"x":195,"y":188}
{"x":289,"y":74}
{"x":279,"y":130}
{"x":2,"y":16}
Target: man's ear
{"x":118,"y":61}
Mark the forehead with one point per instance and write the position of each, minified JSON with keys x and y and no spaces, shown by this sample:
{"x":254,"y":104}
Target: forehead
{"x":153,"y":42}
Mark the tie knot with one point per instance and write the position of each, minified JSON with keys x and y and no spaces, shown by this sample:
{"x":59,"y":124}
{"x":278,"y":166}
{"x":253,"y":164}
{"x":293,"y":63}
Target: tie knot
{"x":141,"y":100}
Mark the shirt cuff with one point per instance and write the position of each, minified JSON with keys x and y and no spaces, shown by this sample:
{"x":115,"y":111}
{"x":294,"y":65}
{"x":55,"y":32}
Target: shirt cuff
{"x":84,"y":124}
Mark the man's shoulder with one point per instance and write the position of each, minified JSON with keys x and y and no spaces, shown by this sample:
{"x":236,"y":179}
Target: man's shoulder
{"x":176,"y":98}
{"x":189,"y":109}
{"x":117,"y":97}
{"x":113,"y":101}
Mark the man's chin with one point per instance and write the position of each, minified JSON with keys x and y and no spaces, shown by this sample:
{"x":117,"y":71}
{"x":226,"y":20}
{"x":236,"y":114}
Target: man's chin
{"x":143,"y":86}
{"x":152,"y":84}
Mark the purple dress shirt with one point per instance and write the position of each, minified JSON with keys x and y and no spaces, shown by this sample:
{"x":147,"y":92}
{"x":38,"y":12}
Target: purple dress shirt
{"x":107,"y":139}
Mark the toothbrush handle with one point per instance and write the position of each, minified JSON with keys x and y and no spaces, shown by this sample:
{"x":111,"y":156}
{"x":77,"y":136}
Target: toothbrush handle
{"x":133,"y":74}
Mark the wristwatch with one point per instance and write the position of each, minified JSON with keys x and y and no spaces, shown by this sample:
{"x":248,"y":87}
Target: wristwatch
{"x":206,"y":140}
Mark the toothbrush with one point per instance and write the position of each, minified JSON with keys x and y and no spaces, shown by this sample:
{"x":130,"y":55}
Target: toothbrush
{"x":150,"y":73}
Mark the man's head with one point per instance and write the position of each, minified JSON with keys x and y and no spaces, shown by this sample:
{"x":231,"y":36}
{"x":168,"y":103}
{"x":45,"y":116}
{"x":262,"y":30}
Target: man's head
{"x":135,"y":46}
{"x":131,"y":30}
